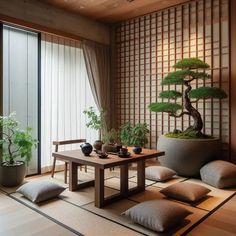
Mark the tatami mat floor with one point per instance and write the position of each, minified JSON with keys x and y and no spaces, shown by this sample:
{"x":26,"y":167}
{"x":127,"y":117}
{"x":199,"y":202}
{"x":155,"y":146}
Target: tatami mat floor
{"x":77,"y":212}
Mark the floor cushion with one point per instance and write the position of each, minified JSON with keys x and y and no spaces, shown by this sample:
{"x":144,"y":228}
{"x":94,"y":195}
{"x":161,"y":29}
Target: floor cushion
{"x":220,"y":174}
{"x":158,"y":215}
{"x":184,"y":191}
{"x":40,"y":190}
{"x":159,"y":173}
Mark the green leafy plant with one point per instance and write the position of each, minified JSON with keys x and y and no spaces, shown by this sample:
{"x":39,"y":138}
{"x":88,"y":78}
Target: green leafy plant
{"x":188,"y":73}
{"x":126,"y":134}
{"x":134,"y":136}
{"x":139,"y":135}
{"x":111,"y":136}
{"x":14,"y":141}
{"x":95,"y":121}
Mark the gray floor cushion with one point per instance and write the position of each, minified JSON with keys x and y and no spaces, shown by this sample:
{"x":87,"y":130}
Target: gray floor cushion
{"x":40,"y":190}
{"x":159,"y":173}
{"x":158,"y":215}
{"x":220,"y":174}
{"x":186,"y":191}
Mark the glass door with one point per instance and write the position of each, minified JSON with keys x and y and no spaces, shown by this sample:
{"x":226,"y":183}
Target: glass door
{"x":21,"y":81}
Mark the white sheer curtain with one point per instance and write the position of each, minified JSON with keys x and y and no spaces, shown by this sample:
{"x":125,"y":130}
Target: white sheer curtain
{"x":65,"y":94}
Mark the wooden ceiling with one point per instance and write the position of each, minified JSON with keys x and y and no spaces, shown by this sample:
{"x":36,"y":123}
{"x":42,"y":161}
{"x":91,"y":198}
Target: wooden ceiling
{"x":110,"y":11}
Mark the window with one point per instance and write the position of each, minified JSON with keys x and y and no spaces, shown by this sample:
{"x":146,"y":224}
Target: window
{"x":65,"y":94}
{"x":20,"y":81}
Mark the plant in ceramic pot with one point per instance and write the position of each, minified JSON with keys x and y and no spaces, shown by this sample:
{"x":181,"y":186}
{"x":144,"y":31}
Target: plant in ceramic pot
{"x":139,"y":137}
{"x":96,"y":122}
{"x":111,"y":141}
{"x":15,"y":144}
{"x":187,"y":150}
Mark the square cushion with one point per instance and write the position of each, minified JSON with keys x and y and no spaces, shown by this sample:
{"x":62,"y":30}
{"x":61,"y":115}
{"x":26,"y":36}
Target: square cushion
{"x":41,"y":190}
{"x":159,"y":173}
{"x":186,"y":191}
{"x":220,"y":174}
{"x":158,"y":215}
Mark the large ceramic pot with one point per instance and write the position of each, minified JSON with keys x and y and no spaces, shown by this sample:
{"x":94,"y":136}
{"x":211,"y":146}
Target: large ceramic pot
{"x":187,"y":156}
{"x":12,"y":175}
{"x":86,"y":148}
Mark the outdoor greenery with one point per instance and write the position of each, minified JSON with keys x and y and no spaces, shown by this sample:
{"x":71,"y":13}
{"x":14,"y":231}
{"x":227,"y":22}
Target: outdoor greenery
{"x":134,"y":136}
{"x":14,"y":141}
{"x":187,"y":74}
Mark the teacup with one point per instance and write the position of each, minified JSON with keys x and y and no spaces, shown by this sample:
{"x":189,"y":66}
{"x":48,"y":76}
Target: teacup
{"x":123,"y":151}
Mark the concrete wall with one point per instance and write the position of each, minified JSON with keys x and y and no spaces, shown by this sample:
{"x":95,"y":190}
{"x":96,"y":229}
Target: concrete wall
{"x":45,"y":15}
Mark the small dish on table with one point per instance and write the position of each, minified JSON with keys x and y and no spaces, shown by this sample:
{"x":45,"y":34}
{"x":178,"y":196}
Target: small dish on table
{"x":124,"y":155}
{"x":102,"y":155}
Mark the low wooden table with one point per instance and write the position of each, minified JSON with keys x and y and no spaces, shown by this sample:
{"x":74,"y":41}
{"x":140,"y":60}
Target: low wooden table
{"x":76,"y":158}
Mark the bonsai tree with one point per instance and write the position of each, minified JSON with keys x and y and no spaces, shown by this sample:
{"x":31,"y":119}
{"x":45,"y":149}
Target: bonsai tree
{"x":188,"y":73}
{"x":14,"y":141}
{"x":96,"y":121}
{"x":139,"y":135}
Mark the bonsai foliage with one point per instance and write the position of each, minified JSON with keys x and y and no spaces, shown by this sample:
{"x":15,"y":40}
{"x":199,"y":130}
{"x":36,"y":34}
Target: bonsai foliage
{"x":134,"y":136}
{"x":188,"y":73}
{"x":139,"y":135}
{"x":14,"y":141}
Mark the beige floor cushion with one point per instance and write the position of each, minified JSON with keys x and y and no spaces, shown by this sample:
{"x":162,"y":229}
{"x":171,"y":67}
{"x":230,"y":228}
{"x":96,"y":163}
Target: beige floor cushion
{"x":41,"y":190}
{"x":157,"y":215}
{"x":220,"y":174}
{"x":159,"y":173}
{"x":188,"y":192}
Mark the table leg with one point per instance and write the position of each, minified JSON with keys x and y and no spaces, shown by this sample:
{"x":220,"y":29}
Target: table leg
{"x":141,"y":174}
{"x":124,"y":179}
{"x":99,"y":187}
{"x":73,"y":176}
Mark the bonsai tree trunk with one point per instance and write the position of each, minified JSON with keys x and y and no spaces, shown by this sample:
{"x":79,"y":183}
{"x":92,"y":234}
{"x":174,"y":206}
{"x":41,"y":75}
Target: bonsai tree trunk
{"x":198,"y":124}
{"x":10,"y":152}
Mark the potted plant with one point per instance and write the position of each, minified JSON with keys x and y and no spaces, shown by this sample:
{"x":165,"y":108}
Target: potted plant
{"x":111,"y":141}
{"x":95,"y":122}
{"x":125,"y":136}
{"x":15,"y":144}
{"x":139,"y":137}
{"x":188,"y":150}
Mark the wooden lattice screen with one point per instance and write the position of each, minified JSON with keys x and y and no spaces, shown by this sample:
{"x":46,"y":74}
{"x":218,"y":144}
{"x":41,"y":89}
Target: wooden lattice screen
{"x":148,"y":46}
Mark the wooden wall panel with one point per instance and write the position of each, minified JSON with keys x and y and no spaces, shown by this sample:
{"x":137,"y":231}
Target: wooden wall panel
{"x":232,"y":8}
{"x":148,"y":46}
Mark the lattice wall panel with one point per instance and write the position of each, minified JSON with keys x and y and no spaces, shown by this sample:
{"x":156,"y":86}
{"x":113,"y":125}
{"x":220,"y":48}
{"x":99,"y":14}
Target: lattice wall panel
{"x":148,"y":46}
